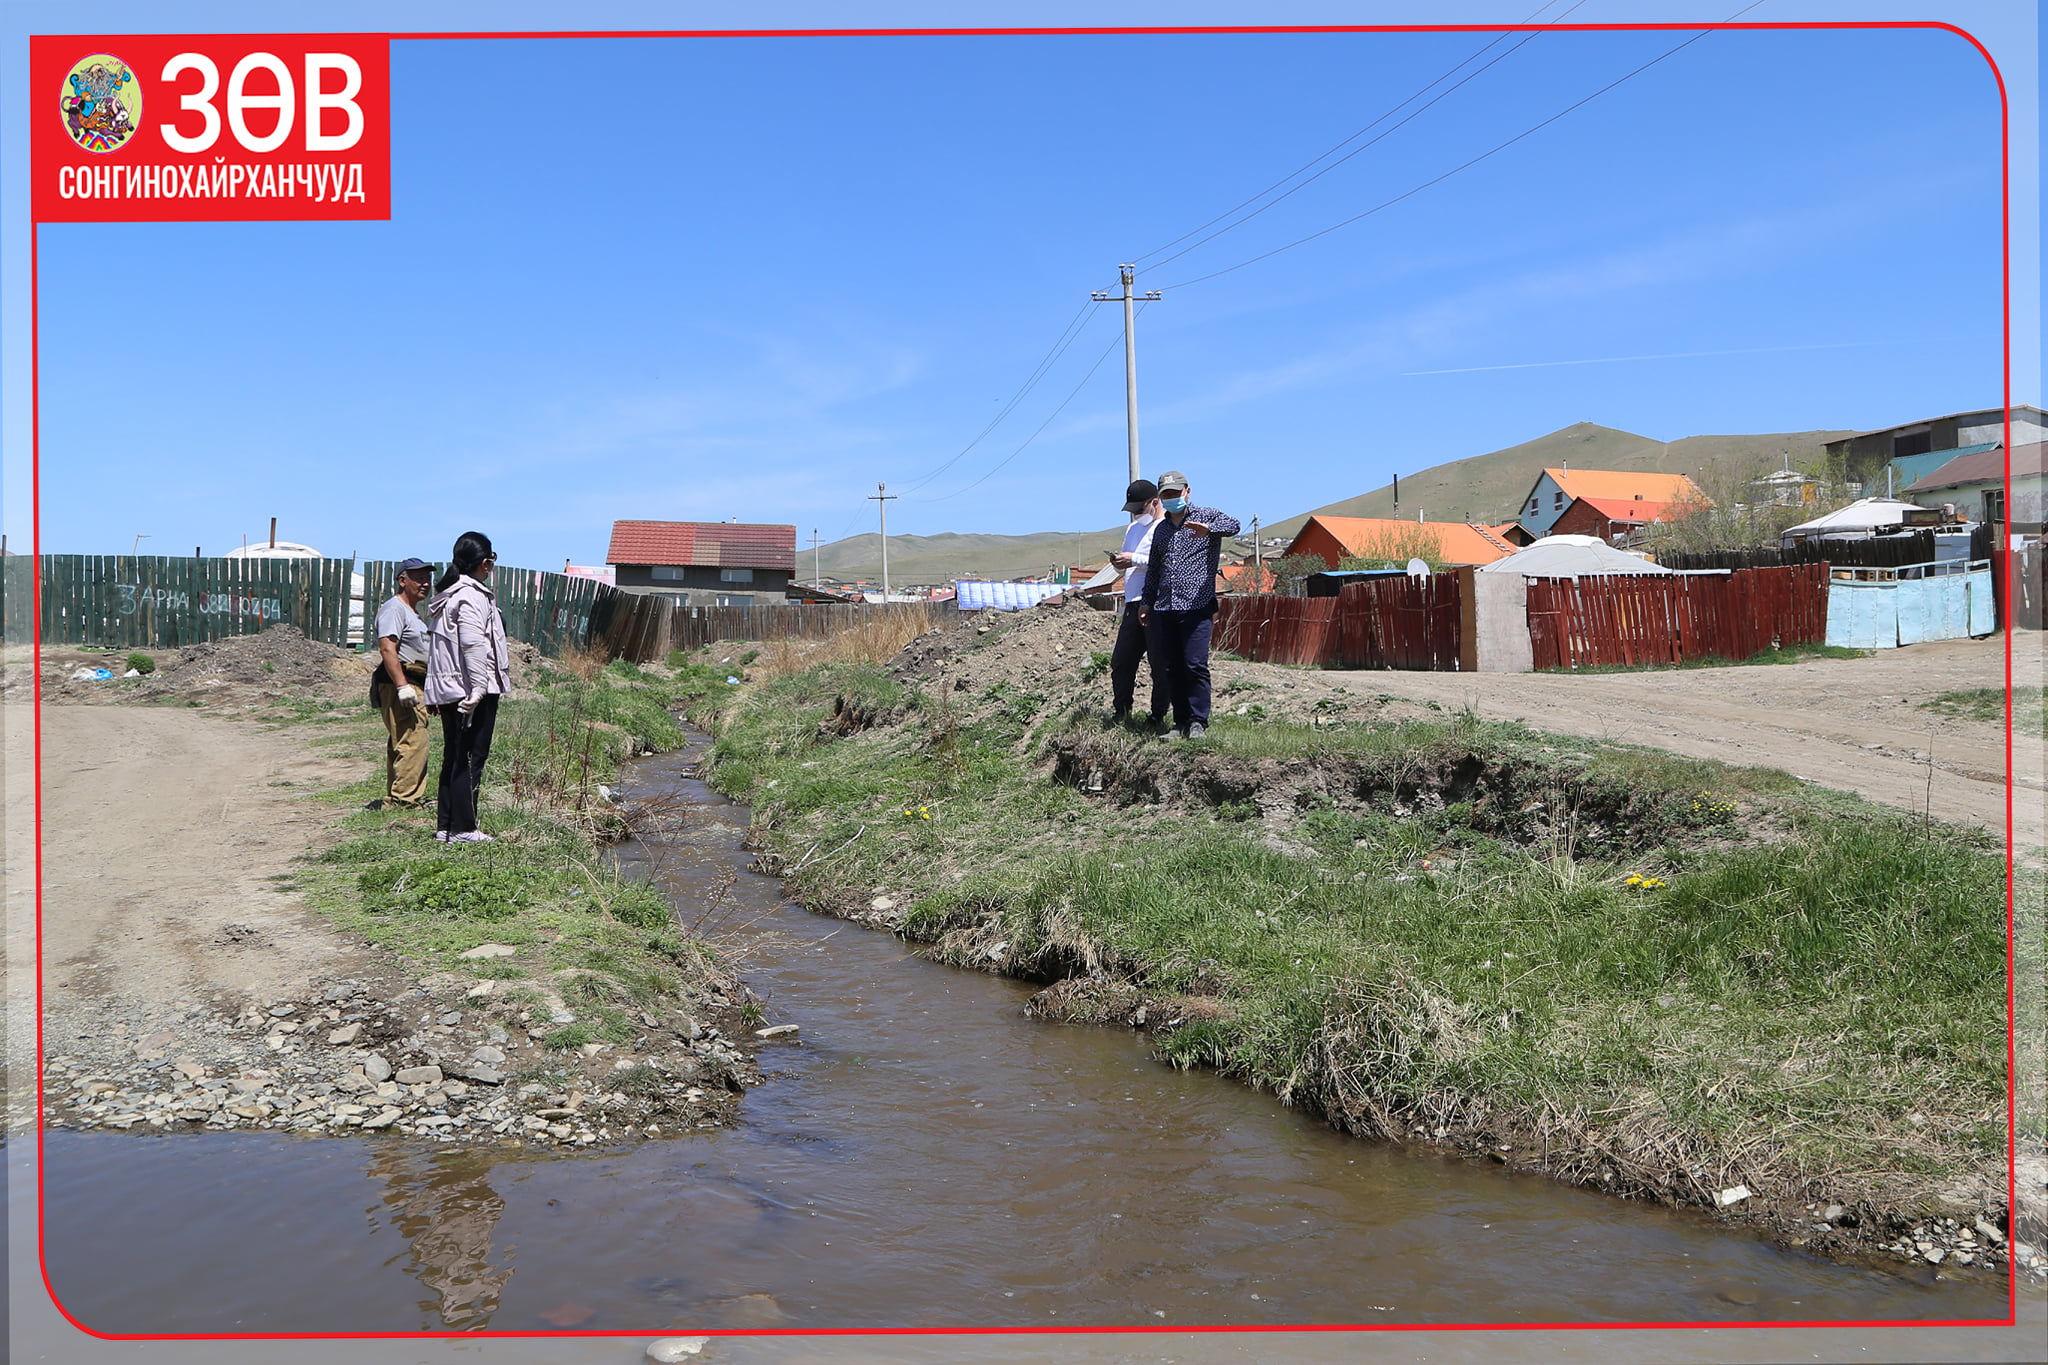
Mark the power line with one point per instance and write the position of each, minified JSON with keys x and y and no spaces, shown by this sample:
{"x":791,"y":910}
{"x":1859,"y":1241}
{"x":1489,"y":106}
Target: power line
{"x":1069,"y":334}
{"x":1353,"y":138}
{"x":1113,"y":344}
{"x":1492,"y":151}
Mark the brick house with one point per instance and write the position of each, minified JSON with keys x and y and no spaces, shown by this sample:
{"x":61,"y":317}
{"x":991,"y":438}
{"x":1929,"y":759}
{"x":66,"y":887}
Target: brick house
{"x":1613,"y":519}
{"x":1555,"y":490}
{"x":704,"y":563}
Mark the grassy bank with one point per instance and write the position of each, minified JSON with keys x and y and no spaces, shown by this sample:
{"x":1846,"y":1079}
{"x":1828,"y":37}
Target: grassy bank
{"x":1660,"y":976}
{"x":588,"y":944}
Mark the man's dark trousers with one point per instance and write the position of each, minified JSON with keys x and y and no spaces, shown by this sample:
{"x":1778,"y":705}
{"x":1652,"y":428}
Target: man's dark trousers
{"x":1179,"y":643}
{"x":1130,"y":649}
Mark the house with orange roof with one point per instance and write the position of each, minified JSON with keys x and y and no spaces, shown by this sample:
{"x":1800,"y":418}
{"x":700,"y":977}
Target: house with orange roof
{"x":1555,"y":490}
{"x":1332,"y":539}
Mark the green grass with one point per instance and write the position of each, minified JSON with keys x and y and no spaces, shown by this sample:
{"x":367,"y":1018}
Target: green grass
{"x":543,"y":885}
{"x":1812,"y":974}
{"x":1987,"y":705}
{"x":1790,"y":654}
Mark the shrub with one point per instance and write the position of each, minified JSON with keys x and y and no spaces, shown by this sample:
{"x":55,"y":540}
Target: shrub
{"x":442,"y":887}
{"x":142,"y":663}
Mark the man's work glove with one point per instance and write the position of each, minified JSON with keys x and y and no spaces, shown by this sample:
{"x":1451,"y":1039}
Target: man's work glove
{"x":409,"y":694}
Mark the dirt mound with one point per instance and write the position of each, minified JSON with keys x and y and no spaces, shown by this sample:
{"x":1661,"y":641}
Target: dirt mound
{"x":239,"y":669}
{"x":1054,"y":658}
{"x":1022,"y":663}
{"x":278,"y":662}
{"x":281,"y":655}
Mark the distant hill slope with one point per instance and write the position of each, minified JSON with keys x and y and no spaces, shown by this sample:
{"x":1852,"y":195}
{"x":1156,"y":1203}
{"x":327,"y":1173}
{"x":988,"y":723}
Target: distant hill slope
{"x":950,"y":555}
{"x":1486,"y":488}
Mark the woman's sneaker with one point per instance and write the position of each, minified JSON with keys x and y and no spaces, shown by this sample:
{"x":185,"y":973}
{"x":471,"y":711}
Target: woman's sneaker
{"x":475,"y":836}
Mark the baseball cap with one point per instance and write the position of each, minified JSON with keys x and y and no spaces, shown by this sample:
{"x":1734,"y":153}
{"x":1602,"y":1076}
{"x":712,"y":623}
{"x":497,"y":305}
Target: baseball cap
{"x":1138,"y":494}
{"x":408,"y":565}
{"x":1173,"y":478}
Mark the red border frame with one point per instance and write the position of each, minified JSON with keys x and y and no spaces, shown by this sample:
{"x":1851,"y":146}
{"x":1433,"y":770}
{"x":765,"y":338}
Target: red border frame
{"x":2012,"y":1118}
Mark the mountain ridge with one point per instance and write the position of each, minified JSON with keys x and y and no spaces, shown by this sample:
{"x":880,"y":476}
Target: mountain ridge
{"x":1486,"y":488}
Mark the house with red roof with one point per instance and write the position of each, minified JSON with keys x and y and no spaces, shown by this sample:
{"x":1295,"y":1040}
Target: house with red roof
{"x":1556,"y":489}
{"x":1614,"y":519}
{"x":704,"y":563}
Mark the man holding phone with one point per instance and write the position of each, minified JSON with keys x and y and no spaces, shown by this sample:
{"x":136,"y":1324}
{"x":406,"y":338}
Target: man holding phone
{"x":1178,"y":602}
{"x":1142,"y":500}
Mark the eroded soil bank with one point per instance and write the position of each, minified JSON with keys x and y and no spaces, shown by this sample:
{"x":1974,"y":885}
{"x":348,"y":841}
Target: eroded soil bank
{"x":1671,"y":979}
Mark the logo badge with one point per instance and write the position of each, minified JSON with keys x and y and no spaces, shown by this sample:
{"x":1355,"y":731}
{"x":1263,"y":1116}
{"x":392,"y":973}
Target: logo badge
{"x":102,"y":103}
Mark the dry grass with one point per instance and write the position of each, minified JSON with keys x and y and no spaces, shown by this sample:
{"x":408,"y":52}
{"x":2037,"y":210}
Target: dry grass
{"x":586,"y":661}
{"x":876,"y":640}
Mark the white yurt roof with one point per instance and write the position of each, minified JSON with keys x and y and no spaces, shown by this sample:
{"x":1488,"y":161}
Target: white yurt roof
{"x":283,"y":549}
{"x":1864,"y":514}
{"x":1571,"y":557}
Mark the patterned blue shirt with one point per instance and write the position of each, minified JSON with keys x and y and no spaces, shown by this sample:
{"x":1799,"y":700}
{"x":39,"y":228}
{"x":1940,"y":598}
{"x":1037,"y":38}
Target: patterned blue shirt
{"x":1182,"y":574}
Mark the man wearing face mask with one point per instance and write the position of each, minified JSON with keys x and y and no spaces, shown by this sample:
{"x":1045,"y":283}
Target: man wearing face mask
{"x":1141,"y":498}
{"x":1178,"y":604}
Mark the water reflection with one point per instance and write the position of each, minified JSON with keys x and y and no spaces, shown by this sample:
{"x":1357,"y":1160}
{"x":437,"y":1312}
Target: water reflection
{"x":443,"y":1204}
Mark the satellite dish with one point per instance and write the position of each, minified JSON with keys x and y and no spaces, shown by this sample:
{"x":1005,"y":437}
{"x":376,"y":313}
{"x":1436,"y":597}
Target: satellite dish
{"x":1417,"y":569}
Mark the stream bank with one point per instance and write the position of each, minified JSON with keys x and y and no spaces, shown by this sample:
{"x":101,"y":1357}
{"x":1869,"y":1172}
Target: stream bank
{"x":1667,"y":979}
{"x":925,"y":1155}
{"x":510,"y":993}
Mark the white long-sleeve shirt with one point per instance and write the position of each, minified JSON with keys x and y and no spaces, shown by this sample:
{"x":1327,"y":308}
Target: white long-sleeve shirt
{"x":1138,"y":545}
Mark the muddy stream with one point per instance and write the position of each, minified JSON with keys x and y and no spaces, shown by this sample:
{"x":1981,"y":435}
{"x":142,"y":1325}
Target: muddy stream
{"x":925,"y":1157}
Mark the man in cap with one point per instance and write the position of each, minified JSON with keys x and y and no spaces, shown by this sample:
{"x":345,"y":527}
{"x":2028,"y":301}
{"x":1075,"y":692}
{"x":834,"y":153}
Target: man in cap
{"x":395,"y":687}
{"x":1179,"y":599}
{"x":1142,"y":500}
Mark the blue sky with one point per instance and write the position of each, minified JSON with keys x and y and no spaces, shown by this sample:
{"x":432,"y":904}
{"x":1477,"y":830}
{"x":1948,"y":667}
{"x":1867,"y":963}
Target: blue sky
{"x":749,"y":278}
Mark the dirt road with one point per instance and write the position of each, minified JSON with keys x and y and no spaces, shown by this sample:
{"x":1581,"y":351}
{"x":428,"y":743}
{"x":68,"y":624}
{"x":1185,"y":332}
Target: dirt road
{"x":160,"y":828}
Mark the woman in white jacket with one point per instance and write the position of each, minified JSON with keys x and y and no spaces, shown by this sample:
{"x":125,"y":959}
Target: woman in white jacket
{"x":468,"y":669}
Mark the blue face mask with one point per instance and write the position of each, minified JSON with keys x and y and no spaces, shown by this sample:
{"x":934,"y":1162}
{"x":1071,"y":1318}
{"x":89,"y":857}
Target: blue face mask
{"x":1174,"y":504}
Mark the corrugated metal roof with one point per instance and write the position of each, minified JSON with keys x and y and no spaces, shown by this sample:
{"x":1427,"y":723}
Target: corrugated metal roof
{"x":708,"y":544}
{"x":2017,"y":409}
{"x":1982,"y":465}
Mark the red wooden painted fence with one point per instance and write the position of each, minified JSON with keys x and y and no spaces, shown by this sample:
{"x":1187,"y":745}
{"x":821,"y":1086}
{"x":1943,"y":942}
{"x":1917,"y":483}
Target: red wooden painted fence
{"x":1645,"y":619}
{"x":1403,"y":622}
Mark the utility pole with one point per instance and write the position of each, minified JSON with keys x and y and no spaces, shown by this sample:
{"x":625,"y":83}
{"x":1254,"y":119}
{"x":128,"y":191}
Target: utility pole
{"x":817,"y":561}
{"x":1129,"y":273}
{"x":1258,"y":560}
{"x":881,"y":498}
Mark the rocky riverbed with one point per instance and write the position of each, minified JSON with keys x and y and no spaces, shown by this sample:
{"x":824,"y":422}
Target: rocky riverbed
{"x":438,"y":1064}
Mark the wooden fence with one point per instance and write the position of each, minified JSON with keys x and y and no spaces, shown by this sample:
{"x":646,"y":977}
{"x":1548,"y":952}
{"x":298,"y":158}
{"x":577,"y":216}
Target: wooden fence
{"x":550,"y":611}
{"x":1411,"y":623}
{"x":166,"y":602}
{"x":2019,"y":597}
{"x":643,"y":627}
{"x":1645,"y":619}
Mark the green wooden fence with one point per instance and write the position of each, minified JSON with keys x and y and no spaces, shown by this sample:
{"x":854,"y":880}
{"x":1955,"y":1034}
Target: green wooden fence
{"x":163,"y":602}
{"x":166,"y":602}
{"x":17,"y":598}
